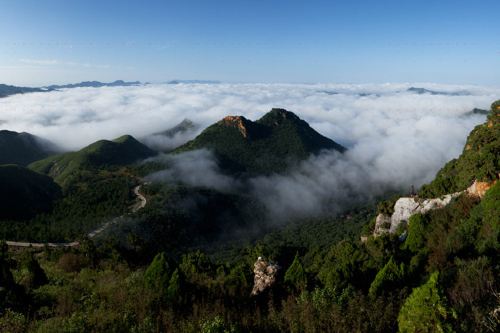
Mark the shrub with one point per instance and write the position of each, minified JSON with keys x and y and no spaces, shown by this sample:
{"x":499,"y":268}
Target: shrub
{"x":12,"y":322}
{"x":71,"y":262}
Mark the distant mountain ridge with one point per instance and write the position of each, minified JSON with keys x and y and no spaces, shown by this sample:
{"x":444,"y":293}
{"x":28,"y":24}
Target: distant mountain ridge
{"x":267,"y":145}
{"x":7,"y":90}
{"x":94,"y":84}
{"x":182,"y":127}
{"x":422,"y":91}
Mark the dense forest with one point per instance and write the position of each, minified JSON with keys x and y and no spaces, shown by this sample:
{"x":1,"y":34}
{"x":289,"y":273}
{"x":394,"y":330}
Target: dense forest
{"x":171,"y":271}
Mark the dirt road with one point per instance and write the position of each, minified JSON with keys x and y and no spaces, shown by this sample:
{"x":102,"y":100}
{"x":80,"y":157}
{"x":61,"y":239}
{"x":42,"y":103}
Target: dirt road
{"x":141,"y":203}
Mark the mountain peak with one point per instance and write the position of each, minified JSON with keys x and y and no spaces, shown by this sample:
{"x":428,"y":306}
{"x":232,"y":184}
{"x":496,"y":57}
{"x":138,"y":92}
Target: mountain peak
{"x":278,"y":116}
{"x":282,"y":112}
{"x":125,"y":138}
{"x":268,"y":145}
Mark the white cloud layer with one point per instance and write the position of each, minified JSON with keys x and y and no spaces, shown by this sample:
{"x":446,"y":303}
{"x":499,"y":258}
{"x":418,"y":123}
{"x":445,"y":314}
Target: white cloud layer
{"x":395,"y":138}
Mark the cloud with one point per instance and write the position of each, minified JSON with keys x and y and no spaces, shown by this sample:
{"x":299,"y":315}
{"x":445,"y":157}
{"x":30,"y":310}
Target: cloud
{"x":77,"y":117}
{"x":54,"y":62}
{"x":43,"y":62}
{"x":194,"y":168}
{"x":395,"y":138}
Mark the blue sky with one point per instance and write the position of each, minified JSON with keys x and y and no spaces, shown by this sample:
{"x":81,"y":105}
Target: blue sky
{"x":59,"y":41}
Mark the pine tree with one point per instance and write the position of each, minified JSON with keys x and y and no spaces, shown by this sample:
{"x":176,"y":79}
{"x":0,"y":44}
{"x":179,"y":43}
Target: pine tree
{"x":35,"y":275}
{"x":157,"y":275}
{"x":295,"y":275}
{"x":386,"y":278}
{"x":174,"y":287}
{"x":425,"y":310}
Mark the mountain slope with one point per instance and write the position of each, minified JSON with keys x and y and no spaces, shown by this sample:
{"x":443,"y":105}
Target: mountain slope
{"x":480,"y":160}
{"x":23,"y":148}
{"x":121,"y":151}
{"x":24,"y":193}
{"x":267,"y":145}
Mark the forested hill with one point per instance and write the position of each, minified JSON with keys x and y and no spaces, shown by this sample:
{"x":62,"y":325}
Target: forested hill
{"x":267,"y":145}
{"x":101,"y":154}
{"x":25,"y":193}
{"x":23,"y":148}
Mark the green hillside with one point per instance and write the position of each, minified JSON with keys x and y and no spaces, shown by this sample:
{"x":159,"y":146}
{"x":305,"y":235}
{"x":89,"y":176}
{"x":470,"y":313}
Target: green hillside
{"x":267,"y":145}
{"x":22,"y":148}
{"x":101,"y":154}
{"x":479,"y":160}
{"x":24,"y":193}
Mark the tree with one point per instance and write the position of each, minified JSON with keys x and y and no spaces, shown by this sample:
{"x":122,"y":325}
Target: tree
{"x":416,"y":233}
{"x":157,"y":275}
{"x":425,"y":309}
{"x":295,"y":275}
{"x":488,"y":212}
{"x":386,"y":278}
{"x":235,"y":283}
{"x":34,"y":274}
{"x":195,"y":267}
{"x":174,"y":287}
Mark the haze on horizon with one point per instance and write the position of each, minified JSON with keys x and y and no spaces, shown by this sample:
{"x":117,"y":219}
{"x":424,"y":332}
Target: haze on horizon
{"x":250,"y":41}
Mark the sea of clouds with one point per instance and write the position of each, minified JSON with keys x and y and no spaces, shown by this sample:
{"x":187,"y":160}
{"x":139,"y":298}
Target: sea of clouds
{"x":395,"y":138}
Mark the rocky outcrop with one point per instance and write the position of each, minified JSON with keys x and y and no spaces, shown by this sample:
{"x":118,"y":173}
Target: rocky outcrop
{"x":479,"y":189}
{"x":265,"y":275}
{"x":238,"y":122}
{"x":382,"y":224}
{"x":405,"y":207}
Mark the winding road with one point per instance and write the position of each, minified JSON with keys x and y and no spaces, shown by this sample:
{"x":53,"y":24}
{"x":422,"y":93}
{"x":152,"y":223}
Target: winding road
{"x":141,"y":203}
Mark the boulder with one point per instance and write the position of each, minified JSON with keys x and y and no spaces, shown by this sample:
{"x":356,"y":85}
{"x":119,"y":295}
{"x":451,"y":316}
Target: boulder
{"x":265,"y":275}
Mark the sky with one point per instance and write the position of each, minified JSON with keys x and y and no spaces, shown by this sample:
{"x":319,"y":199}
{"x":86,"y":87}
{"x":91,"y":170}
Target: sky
{"x":281,"y":41}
